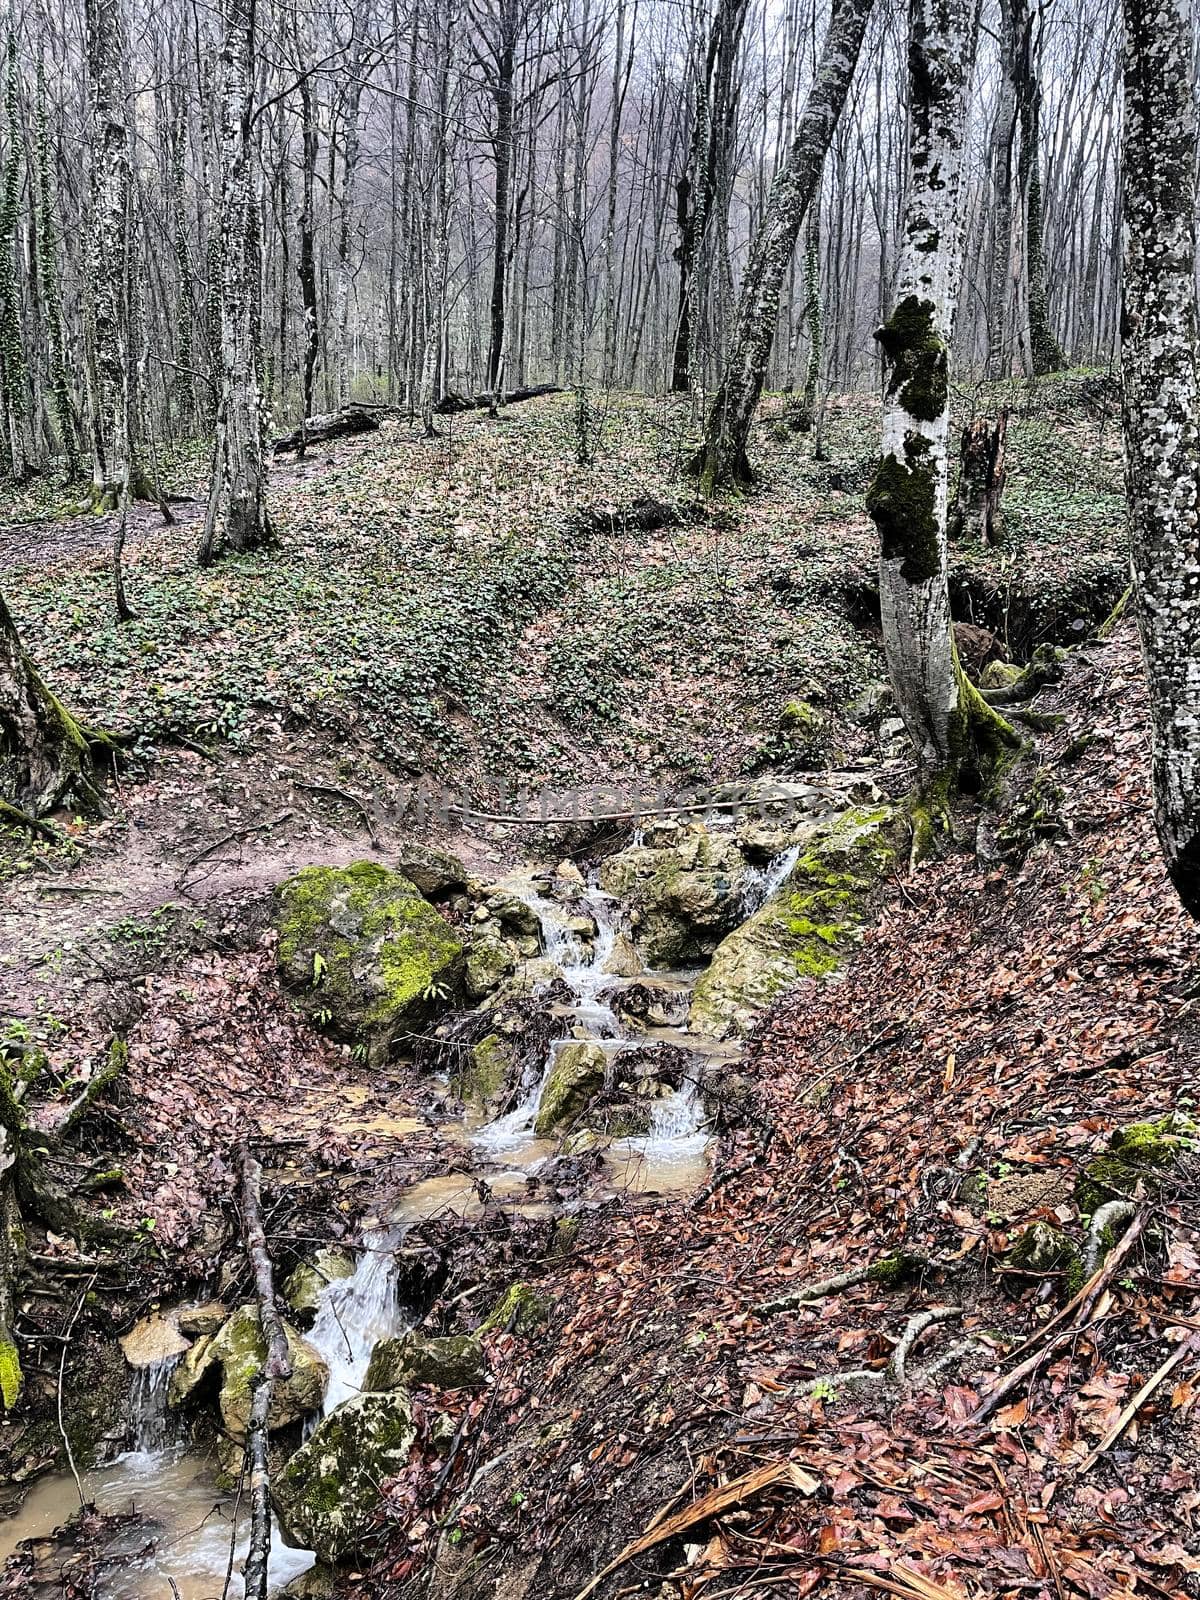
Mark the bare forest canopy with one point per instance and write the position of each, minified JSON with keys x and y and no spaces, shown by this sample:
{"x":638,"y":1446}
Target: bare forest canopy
{"x":498,"y":193}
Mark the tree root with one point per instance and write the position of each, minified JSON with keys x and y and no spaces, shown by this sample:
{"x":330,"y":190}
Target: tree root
{"x":888,"y":1271}
{"x":895,"y":1374}
{"x":16,"y":818}
{"x":1115,"y":1213}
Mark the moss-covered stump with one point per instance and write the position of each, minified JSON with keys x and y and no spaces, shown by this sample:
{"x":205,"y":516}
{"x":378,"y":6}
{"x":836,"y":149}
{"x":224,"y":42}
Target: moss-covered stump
{"x":306,"y":1284}
{"x":369,"y":957}
{"x":1142,"y":1152}
{"x":803,"y":931}
{"x":684,"y":897}
{"x":453,"y":1361}
{"x":329,"y":1493}
{"x":577,"y":1075}
{"x":239,"y":1350}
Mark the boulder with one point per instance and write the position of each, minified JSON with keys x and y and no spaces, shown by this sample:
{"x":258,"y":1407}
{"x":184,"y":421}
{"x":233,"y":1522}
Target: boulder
{"x":202,"y":1319}
{"x":1000,"y":675}
{"x":489,"y":962}
{"x":436,"y":873}
{"x":306,"y":1284}
{"x":804,"y":930}
{"x":577,"y":1074}
{"x":623,"y":960}
{"x":490,"y":1067}
{"x":329,"y":1493}
{"x":683,"y":897}
{"x":239,"y":1349}
{"x":369,"y":956}
{"x":453,"y":1361}
{"x":153,"y":1340}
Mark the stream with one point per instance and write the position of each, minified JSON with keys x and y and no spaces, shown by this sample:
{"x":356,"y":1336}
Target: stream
{"x":186,"y":1524}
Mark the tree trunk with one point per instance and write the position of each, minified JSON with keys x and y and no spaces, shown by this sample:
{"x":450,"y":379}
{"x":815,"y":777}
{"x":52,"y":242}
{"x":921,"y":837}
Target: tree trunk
{"x":14,"y":375}
{"x":239,"y":468}
{"x":502,"y":148}
{"x":982,"y":470}
{"x":999,"y":360}
{"x":943,"y":713}
{"x":45,"y":756}
{"x":1162,"y":404}
{"x":723,"y":457}
{"x":1044,"y":352}
{"x":60,"y":387}
{"x":307,"y":267}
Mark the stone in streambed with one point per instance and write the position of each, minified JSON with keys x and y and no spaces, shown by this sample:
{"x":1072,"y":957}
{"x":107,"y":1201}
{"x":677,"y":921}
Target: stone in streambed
{"x":451,"y":1361}
{"x":306,"y":1284}
{"x":240,"y":1350}
{"x":328,"y":1495}
{"x":578,"y":1073}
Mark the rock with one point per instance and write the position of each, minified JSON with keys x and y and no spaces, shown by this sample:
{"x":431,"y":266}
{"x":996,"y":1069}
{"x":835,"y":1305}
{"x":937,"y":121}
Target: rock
{"x":369,"y":957}
{"x":623,"y":960}
{"x":999,"y":675}
{"x":202,"y":1319}
{"x":240,"y":1350}
{"x":492,"y":1065}
{"x":803,"y":931}
{"x":436,"y":873}
{"x":316,"y":1584}
{"x":1042,"y":1248}
{"x":577,"y":1074}
{"x":154,"y":1339}
{"x":489,"y":962}
{"x":869,"y":706}
{"x":329,"y":1493}
{"x":1141,"y":1152}
{"x":976,"y":647}
{"x":453,"y":1361}
{"x":568,"y":872}
{"x":684,"y":898}
{"x":520,"y":1305}
{"x":306,"y":1284}
{"x":512,"y":913}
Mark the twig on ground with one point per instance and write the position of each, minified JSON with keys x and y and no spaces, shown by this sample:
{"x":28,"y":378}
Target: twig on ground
{"x":228,"y":838}
{"x":62,"y":1367}
{"x":1155,"y":1381}
{"x":350,"y":799}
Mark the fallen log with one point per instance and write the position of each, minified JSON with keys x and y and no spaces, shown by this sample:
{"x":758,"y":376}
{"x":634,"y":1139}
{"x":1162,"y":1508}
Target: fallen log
{"x":643,"y":515}
{"x":277,"y":1365}
{"x":452,"y":404}
{"x":334,"y":425}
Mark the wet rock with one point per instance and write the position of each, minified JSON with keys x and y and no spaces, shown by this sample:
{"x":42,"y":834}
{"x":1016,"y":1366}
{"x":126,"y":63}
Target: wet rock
{"x":803,"y":931}
{"x":366,"y":954}
{"x":327,"y":1496}
{"x":520,"y":1305}
{"x":511,"y":912}
{"x":650,"y":1004}
{"x":492,"y":1065}
{"x":489,"y":962}
{"x":436,"y":873}
{"x":306,"y":1284}
{"x":203,"y":1319}
{"x":577,"y":1074}
{"x":318,"y":1583}
{"x":154,"y":1339}
{"x":623,"y":960}
{"x":453,"y":1361}
{"x":683,"y":898}
{"x":567,"y":872}
{"x":239,"y":1350}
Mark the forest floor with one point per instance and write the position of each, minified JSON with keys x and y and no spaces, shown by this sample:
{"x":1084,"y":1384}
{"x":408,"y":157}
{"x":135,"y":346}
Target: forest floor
{"x":451,"y":612}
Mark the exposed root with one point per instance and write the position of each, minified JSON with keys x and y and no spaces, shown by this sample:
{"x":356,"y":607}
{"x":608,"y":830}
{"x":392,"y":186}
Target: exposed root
{"x":888,"y":1270}
{"x":897,"y":1371}
{"x":1106,"y":1220}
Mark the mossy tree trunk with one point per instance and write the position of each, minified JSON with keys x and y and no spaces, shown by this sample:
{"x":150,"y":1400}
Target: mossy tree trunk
{"x":14,"y":371}
{"x":1162,"y":405}
{"x":723,"y":458}
{"x":65,"y":415}
{"x":45,"y":757}
{"x":945,"y":716}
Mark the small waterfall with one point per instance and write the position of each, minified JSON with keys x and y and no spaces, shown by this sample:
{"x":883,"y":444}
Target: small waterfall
{"x":353,"y":1314}
{"x":764,"y":882}
{"x":148,"y":1407}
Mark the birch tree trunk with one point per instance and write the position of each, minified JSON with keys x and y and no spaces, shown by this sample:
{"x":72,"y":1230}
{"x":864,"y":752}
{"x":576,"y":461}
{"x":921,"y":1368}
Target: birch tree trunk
{"x":1162,"y":397}
{"x":723,"y":458}
{"x":945,"y":716}
{"x":239,"y":465}
{"x":60,"y":386}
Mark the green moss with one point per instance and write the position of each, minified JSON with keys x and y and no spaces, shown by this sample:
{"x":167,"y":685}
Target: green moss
{"x":11,"y":1377}
{"x":491,"y":1062}
{"x":891,"y":1271}
{"x":1042,"y":1248}
{"x":901,"y":502}
{"x":520,"y":1302}
{"x":1142,"y":1153}
{"x":917,"y":359}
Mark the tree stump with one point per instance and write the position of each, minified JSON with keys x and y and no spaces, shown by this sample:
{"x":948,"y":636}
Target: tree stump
{"x":983,"y":467}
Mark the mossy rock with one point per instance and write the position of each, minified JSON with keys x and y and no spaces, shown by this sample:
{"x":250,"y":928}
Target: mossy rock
{"x":239,"y":1349}
{"x":12,"y":1379}
{"x":521,"y":1305}
{"x":577,"y":1075}
{"x":306,"y":1284}
{"x":1043,"y":1248}
{"x":369,"y":956}
{"x":1142,"y":1152}
{"x":489,"y":962}
{"x":684,"y":897}
{"x":452,"y":1361}
{"x":805,"y":930}
{"x":491,"y":1067}
{"x":328,"y":1496}
{"x":1000,"y":675}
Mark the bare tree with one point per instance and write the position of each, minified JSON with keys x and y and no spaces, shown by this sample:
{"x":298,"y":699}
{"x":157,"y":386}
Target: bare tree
{"x":949,"y":723}
{"x":1162,"y":406}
